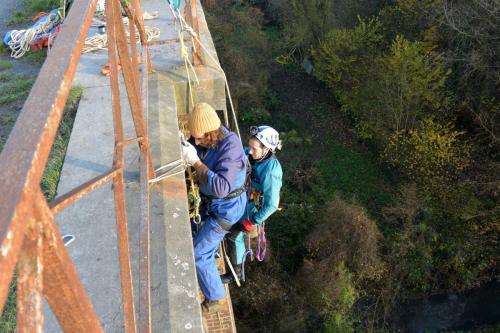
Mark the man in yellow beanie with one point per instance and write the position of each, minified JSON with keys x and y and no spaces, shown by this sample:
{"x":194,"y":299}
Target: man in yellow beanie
{"x":219,"y":159}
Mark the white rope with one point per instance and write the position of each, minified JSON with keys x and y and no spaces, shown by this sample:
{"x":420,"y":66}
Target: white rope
{"x":173,"y":169}
{"x":187,"y":62}
{"x":195,"y":36}
{"x":100,"y":41}
{"x":150,"y":16}
{"x":22,"y":39}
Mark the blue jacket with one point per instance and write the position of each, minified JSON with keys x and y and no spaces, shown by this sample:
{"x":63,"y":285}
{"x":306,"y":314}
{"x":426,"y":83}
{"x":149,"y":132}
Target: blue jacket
{"x":227,"y":172}
{"x":267,"y":179}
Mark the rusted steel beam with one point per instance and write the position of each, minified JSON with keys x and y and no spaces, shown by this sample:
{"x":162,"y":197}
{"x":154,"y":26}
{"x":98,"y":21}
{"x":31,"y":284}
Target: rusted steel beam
{"x":30,"y":280}
{"x":131,"y":85}
{"x":119,"y":190}
{"x":79,"y":192}
{"x":193,"y":11}
{"x":139,"y":22}
{"x":26,"y":152}
{"x":145,"y":107}
{"x":10,"y":246}
{"x":132,"y":141}
{"x":124,"y":254}
{"x":144,"y":270}
{"x":133,"y":51}
{"x":61,"y":285}
{"x":167,"y":41}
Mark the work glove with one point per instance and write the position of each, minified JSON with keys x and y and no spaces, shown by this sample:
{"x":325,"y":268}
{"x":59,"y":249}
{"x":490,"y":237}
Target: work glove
{"x":245,"y":226}
{"x":189,"y":153}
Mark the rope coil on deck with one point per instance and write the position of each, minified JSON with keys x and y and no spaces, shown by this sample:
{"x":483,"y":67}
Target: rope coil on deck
{"x":100,"y":41}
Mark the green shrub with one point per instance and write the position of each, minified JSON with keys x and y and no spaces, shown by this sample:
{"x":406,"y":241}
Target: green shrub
{"x":415,"y":19}
{"x":329,"y":288}
{"x":382,"y":92}
{"x":344,"y":58}
{"x":346,"y":234}
{"x":408,"y":245}
{"x":294,"y":138}
{"x":255,"y":116}
{"x":412,"y":87}
{"x":431,"y":155}
{"x":243,"y":49}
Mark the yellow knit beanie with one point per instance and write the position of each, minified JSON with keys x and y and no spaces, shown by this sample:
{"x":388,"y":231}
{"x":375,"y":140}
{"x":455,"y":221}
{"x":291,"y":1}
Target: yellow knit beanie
{"x":203,"y":119}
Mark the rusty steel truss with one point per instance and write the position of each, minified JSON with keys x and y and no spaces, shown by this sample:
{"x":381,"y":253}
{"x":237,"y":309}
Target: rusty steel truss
{"x":29,"y":236}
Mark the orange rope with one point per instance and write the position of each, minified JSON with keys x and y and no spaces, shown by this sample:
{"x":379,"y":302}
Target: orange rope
{"x":39,"y":15}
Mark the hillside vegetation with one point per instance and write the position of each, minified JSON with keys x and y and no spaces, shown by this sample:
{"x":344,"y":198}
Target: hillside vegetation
{"x":391,"y":153}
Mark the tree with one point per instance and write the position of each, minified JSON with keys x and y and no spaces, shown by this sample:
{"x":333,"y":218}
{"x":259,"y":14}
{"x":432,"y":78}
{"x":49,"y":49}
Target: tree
{"x":413,"y":85}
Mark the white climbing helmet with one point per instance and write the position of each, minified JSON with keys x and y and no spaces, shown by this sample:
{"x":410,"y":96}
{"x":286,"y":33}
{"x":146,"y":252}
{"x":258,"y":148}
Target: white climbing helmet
{"x":267,"y":135}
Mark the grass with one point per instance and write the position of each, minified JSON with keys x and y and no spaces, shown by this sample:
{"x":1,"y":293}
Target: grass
{"x":58,"y":152}
{"x":30,"y":9}
{"x":49,"y":187}
{"x":356,"y":176}
{"x":8,"y":318}
{"x":36,"y":57}
{"x":14,"y":88}
{"x":4,"y":77}
{"x":5,"y":64}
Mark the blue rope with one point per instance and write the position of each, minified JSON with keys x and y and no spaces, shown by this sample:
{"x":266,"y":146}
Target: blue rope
{"x":175,"y":3}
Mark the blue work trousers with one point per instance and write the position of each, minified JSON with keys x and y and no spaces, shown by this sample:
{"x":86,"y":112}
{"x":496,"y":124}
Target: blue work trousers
{"x":206,"y":244}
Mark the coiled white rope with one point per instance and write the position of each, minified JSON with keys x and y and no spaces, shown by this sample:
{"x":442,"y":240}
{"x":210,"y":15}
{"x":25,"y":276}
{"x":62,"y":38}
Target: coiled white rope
{"x":100,"y":41}
{"x":22,"y":39}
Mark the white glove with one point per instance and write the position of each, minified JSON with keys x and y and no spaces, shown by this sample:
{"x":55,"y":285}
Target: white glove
{"x":189,"y":154}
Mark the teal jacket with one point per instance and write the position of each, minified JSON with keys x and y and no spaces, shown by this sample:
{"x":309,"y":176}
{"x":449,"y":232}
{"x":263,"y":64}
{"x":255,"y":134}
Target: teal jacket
{"x":267,"y":178}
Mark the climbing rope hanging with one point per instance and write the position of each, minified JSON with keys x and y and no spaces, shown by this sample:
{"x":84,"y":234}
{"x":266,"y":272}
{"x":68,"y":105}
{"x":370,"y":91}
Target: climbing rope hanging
{"x":190,"y":30}
{"x":187,"y":61}
{"x":175,"y":4}
{"x":194,"y":190}
{"x":194,"y":199}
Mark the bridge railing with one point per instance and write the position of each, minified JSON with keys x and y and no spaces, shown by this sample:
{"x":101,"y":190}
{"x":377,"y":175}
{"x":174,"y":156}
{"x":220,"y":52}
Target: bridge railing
{"x":29,"y":236}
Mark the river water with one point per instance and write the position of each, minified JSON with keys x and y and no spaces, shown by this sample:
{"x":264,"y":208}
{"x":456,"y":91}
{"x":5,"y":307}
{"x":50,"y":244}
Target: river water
{"x":445,"y":312}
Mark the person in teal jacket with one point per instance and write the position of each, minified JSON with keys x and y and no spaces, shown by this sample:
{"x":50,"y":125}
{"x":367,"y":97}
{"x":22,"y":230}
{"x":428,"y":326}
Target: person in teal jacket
{"x":264,"y":194}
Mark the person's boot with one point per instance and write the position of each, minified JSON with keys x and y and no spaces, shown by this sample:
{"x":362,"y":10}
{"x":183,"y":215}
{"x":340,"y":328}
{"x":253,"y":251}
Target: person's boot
{"x":213,"y":306}
{"x":229,"y":277}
